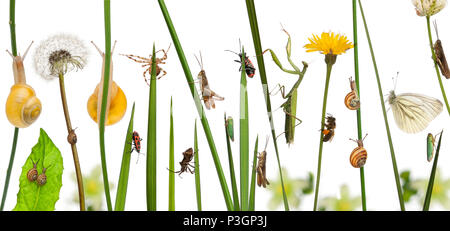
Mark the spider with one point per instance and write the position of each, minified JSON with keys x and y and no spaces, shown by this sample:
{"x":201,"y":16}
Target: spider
{"x":148,"y":63}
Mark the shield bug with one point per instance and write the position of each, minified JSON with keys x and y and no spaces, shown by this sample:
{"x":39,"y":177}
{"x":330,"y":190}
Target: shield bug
{"x":249,"y":67}
{"x":290,"y":105}
{"x":440,"y":56}
{"x":136,"y":141}
{"x":147,"y":62}
{"x":358,"y":156}
{"x":330,"y":125}
{"x":261,"y":168}
{"x":185,"y":163}
{"x":208,"y":95}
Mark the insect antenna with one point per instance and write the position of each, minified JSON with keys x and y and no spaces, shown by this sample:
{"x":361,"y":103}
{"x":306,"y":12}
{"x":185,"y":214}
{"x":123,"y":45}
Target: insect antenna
{"x":395,"y":81}
{"x":267,"y":141}
{"x":436,"y":29}
{"x":114,"y":46}
{"x":232,"y":52}
{"x":26,"y":52}
{"x":200,"y":63}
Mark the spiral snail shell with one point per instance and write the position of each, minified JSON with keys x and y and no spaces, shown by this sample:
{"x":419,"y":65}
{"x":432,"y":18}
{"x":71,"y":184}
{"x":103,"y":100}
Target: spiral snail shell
{"x":42,"y":178}
{"x":32,"y":174}
{"x":22,"y":105}
{"x":116,"y":104}
{"x":358,"y":156}
{"x":351,"y":100}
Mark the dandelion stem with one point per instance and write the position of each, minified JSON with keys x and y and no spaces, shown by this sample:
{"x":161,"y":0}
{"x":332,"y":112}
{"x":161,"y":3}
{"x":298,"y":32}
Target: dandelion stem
{"x":388,"y":132}
{"x":436,"y":65}
{"x":72,"y":145}
{"x":358,"y":112}
{"x":12,"y":27}
{"x":324,"y":109}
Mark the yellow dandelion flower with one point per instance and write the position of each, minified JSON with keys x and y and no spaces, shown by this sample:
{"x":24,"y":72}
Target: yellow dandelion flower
{"x":328,"y":43}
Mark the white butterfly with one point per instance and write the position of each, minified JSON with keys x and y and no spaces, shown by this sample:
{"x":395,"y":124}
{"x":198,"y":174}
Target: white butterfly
{"x":413,"y":112}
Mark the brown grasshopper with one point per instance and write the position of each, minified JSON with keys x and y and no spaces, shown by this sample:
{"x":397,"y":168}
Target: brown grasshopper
{"x":440,"y":56}
{"x":208,"y":95}
{"x":185,"y":165}
{"x":261,"y":168}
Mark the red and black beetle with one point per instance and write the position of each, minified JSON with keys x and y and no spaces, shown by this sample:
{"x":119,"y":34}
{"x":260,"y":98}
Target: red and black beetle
{"x":249,"y":67}
{"x":136,"y":143}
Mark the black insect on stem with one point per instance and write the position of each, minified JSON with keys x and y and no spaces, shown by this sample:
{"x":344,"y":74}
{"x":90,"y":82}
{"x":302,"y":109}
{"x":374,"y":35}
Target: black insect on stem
{"x":330,"y":125}
{"x":249,"y":67}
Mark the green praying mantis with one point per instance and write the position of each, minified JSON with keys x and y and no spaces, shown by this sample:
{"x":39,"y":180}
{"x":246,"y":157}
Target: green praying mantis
{"x":290,"y":105}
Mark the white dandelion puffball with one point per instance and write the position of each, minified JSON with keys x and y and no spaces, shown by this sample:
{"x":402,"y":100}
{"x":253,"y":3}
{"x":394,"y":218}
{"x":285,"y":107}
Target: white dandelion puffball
{"x":429,"y":7}
{"x":59,"y":54}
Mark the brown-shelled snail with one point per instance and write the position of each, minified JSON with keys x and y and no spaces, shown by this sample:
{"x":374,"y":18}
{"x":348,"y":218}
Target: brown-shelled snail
{"x":358,"y":156}
{"x":32,"y":174}
{"x":22,"y":105}
{"x":42,"y":178}
{"x":116,"y":104}
{"x":352,"y":101}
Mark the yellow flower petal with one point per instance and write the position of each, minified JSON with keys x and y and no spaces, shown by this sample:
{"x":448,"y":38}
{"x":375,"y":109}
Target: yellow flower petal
{"x":328,"y":43}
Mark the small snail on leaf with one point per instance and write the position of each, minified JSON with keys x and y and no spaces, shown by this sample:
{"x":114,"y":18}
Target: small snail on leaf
{"x":352,"y":101}
{"x":358,"y":156}
{"x":116,"y":104}
{"x":22,"y":105}
{"x":42,"y":178}
{"x":32,"y":174}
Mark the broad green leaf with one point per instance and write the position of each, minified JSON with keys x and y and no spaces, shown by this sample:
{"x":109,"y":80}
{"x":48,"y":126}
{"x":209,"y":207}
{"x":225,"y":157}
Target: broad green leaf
{"x":32,"y":197}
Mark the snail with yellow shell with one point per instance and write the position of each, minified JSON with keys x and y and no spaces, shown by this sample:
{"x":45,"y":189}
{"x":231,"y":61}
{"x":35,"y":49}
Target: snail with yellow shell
{"x":116,"y":104}
{"x":22,"y":105}
{"x":351,"y":100}
{"x":358,"y":156}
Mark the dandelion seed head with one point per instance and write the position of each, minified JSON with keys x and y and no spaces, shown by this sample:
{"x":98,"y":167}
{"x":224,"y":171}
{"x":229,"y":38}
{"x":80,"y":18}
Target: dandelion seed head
{"x":428,"y":7}
{"x":59,"y":54}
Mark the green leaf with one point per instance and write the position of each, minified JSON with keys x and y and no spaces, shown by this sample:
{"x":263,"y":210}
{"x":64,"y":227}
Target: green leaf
{"x":121,"y":195}
{"x":32,"y":197}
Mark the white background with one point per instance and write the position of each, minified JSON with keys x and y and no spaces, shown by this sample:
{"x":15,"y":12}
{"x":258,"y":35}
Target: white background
{"x":400,"y":42}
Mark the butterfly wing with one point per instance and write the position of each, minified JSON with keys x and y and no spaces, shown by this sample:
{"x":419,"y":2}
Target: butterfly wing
{"x":413,"y":112}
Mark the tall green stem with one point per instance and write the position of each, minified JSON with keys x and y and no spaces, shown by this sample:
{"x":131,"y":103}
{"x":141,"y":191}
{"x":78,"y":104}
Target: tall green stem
{"x":251,"y":11}
{"x":12,"y":27}
{"x":324,"y":109}
{"x":388,"y":132}
{"x":358,"y":112}
{"x":172,"y":162}
{"x":107,"y":13}
{"x":151,"y":141}
{"x":430,"y":38}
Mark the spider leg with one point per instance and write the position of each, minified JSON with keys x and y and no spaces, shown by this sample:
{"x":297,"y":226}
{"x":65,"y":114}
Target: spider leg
{"x":146,"y":80}
{"x":164,"y":73}
{"x":135,"y":58}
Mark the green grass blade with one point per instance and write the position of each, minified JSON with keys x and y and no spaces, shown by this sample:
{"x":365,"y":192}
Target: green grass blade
{"x":122,"y":186}
{"x":12,"y":27}
{"x":426,"y":203}
{"x":197,"y":171}
{"x":198,"y":104}
{"x":151,"y":141}
{"x":171,"y":163}
{"x":232,"y":172}
{"x":251,"y":205}
{"x":107,"y":13}
{"x":243,"y":136}
{"x":262,"y":72}
{"x":388,"y":132}
{"x":358,"y":112}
